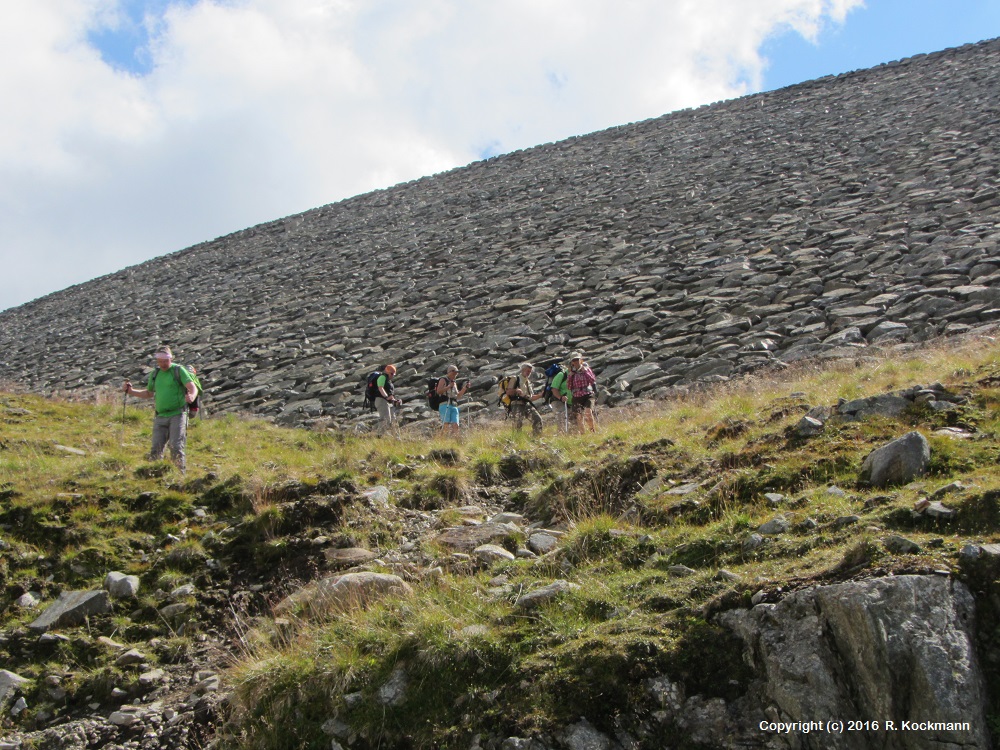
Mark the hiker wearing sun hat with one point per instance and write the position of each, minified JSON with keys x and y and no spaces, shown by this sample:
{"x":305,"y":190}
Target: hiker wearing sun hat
{"x":583,"y":385}
{"x":172,"y":388}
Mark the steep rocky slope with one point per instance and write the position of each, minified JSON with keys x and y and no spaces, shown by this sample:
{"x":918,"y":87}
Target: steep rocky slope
{"x":706,"y":243}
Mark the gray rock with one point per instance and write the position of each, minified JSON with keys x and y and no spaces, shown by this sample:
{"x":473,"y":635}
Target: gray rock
{"x":970,"y":553}
{"x":518,"y":743}
{"x":344,"y":592}
{"x":488,"y":554}
{"x":126,"y":716}
{"x":583,"y":736}
{"x":901,"y":646}
{"x":541,"y":543}
{"x":898,"y":462}
{"x":681,"y":571}
{"x":121,"y":585}
{"x":28,"y":600}
{"x":947,"y":489}
{"x":393,"y":692}
{"x":152,"y":678}
{"x":876,"y":406}
{"x":172,"y":611}
{"x":467,"y":538}
{"x":888,"y":331}
{"x":901,"y":545}
{"x":808,"y":427}
{"x":377,"y":497}
{"x":10,"y":683}
{"x":651,"y":487}
{"x":184,"y":591}
{"x":336,"y":728}
{"x":130,"y":658}
{"x":683,"y":489}
{"x":348,"y":557}
{"x":935,"y":509}
{"x":990,"y":551}
{"x":543,"y":595}
{"x":72,"y":608}
{"x":774,"y":527}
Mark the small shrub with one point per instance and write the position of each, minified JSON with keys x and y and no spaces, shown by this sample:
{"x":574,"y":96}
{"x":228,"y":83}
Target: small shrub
{"x":487,"y":470}
{"x":154,"y":470}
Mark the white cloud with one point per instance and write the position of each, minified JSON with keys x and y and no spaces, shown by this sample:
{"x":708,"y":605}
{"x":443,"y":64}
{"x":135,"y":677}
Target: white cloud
{"x":254,"y":109}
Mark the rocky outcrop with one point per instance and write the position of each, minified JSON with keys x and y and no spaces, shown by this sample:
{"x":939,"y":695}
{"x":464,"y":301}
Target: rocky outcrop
{"x":814,"y":221}
{"x":894,"y":655}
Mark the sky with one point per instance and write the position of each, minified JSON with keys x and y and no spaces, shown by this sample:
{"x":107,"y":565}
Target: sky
{"x":135,"y":128}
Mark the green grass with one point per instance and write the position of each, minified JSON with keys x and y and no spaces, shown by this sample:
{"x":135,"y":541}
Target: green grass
{"x":256,"y":497}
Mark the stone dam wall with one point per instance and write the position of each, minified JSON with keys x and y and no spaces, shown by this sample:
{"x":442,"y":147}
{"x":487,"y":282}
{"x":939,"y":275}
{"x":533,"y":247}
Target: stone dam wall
{"x":812,"y":221}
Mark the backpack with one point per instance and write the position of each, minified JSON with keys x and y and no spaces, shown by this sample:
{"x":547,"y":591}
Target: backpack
{"x":550,"y":374}
{"x":434,"y":399}
{"x":195,"y":405}
{"x":504,"y":399}
{"x":371,"y":390}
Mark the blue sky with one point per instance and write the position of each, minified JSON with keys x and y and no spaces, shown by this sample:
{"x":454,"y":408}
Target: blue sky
{"x":124,"y":43}
{"x":883,"y":31}
{"x":136,"y":128}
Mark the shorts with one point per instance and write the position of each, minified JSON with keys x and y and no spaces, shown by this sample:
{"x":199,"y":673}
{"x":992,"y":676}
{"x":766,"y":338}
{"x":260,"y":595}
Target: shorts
{"x":449,"y":414}
{"x":582,"y":402}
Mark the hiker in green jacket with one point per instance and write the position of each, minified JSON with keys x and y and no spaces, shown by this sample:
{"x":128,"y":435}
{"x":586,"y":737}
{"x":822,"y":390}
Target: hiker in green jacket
{"x":562,"y":394}
{"x":172,"y":388}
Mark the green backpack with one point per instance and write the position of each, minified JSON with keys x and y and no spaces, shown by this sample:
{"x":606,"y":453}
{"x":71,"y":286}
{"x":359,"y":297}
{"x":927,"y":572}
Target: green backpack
{"x":195,"y":405}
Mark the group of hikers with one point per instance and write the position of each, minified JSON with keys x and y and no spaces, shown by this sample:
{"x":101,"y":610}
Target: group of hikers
{"x":575,"y":387}
{"x":176,"y":391}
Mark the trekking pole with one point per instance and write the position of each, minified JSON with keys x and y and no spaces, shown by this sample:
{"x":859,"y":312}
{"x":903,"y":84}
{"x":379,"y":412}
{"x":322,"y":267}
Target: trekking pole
{"x":124,"y":404}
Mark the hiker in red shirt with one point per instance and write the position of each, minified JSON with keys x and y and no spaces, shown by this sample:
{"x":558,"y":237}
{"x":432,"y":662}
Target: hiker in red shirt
{"x":583,"y":385}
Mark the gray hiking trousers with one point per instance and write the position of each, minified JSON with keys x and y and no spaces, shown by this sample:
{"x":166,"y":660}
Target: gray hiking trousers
{"x":387,"y":415}
{"x":172,"y":430}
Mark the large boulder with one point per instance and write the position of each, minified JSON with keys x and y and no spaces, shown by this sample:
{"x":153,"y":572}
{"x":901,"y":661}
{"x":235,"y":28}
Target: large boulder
{"x":898,"y":462}
{"x":72,"y":608}
{"x":894,"y":650}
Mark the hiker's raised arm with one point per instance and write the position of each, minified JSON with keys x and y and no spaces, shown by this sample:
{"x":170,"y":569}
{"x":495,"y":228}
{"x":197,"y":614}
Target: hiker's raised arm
{"x":137,"y":392}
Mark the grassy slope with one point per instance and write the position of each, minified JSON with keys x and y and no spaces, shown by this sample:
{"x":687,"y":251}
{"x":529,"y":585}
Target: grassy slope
{"x":469,"y":655}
